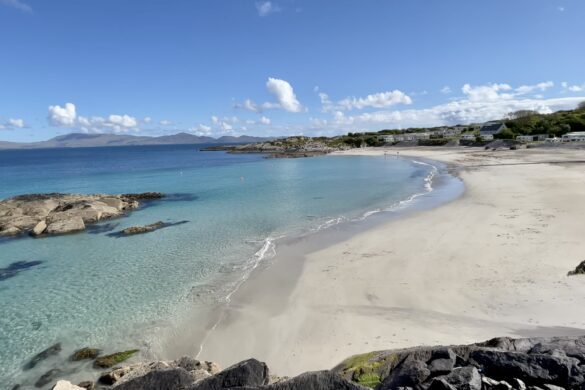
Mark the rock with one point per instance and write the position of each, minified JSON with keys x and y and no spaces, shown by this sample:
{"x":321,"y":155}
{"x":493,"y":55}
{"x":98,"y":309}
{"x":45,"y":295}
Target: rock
{"x":115,"y":203}
{"x":319,"y":380}
{"x":142,"y":196}
{"x":39,"y":228}
{"x":250,"y":373}
{"x":167,"y":379}
{"x":464,"y":378}
{"x":441,"y":384}
{"x":503,"y":385}
{"x":442,"y":362}
{"x":552,"y":387}
{"x":47,"y":353}
{"x":410,"y":373}
{"x":579,"y":270}
{"x":10,"y":231}
{"x":87,"y":385}
{"x":17,"y":267}
{"x":72,"y":225}
{"x":85,"y":353}
{"x":47,"y":377}
{"x":113,"y":359}
{"x":518,"y":384}
{"x":534,"y":369}
{"x":143,"y":229}
{"x":66,"y":385}
{"x":114,"y":376}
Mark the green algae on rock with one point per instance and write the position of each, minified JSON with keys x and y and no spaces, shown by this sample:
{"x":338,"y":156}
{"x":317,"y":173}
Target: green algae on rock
{"x":113,"y":359}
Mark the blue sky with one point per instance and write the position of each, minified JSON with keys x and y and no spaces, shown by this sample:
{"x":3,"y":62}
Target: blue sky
{"x":217,"y":67}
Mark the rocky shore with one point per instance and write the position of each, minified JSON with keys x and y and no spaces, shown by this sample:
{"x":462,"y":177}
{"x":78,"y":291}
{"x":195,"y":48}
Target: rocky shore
{"x":293,"y":147}
{"x":55,"y":213}
{"x":499,"y":364}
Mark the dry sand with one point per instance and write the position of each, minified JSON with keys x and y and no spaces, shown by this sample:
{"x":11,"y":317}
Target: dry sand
{"x":491,"y":263}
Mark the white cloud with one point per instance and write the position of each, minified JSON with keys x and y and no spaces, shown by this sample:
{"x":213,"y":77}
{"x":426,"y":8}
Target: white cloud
{"x":165,"y":122}
{"x":481,"y":103}
{"x":283,"y":93}
{"x":147,"y":119}
{"x":266,"y":8}
{"x":524,"y":89}
{"x":62,"y":116}
{"x":446,"y":90}
{"x":265,"y":121}
{"x":573,"y":88}
{"x":201,"y":130}
{"x":17,"y":123}
{"x":17,"y":4}
{"x":376,"y":100}
{"x":67,"y":117}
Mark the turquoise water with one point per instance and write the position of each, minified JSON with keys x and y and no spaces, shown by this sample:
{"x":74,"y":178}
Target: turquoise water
{"x":98,"y":290}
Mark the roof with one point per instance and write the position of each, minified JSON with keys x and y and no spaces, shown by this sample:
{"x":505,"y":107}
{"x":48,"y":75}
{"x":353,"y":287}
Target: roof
{"x":491,"y":128}
{"x":577,"y":133}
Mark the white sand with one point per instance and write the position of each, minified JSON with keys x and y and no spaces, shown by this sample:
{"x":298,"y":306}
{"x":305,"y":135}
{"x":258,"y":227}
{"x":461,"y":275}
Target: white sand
{"x":491,"y":263}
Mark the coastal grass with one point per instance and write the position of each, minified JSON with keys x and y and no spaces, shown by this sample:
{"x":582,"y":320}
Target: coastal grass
{"x":367,"y":369}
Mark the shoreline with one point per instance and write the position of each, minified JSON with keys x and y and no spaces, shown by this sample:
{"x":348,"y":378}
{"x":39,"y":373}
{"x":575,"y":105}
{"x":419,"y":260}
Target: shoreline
{"x":373,"y":291}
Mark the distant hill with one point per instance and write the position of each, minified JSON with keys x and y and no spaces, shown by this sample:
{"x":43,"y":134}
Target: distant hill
{"x":81,"y":140}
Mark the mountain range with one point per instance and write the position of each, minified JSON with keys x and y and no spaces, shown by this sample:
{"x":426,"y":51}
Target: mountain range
{"x":81,"y":140}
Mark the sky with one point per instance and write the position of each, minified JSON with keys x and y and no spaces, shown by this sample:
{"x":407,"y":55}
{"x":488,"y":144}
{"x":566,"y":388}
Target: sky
{"x":282,"y":67}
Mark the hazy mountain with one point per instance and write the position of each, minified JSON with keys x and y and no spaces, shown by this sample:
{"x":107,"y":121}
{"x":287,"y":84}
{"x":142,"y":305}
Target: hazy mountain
{"x":80,"y":140}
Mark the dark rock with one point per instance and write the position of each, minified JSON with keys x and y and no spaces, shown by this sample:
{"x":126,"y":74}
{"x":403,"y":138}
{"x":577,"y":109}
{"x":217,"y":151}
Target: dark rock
{"x":47,"y":377}
{"x":169,"y":379}
{"x":47,"y":353}
{"x":579,"y":270}
{"x":113,"y":359}
{"x":464,"y":378}
{"x":142,"y":196}
{"x":503,"y":385}
{"x":518,"y":384}
{"x":249,"y":373}
{"x":442,"y":362}
{"x":441,"y":384}
{"x":410,"y":373}
{"x":552,"y":387}
{"x":534,"y":369}
{"x":89,"y":385}
{"x":15,"y":268}
{"x":85,"y":353}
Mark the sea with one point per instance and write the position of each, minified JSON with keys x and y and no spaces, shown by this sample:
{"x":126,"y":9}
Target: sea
{"x":100,"y":290}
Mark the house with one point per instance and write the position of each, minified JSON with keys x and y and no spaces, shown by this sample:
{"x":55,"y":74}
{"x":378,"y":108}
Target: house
{"x":468,"y":137}
{"x":540,"y":137}
{"x":486,"y":137}
{"x":452,"y":132}
{"x":388,"y":139}
{"x":491,"y":128}
{"x":524,"y":138}
{"x":576,"y":136}
{"x":411,"y":137}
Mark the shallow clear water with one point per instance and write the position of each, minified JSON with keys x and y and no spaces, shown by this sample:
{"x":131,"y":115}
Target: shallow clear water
{"x":93,"y":289}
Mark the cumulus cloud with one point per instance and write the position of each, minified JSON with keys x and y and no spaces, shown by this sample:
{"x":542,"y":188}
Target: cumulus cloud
{"x":67,"y":117}
{"x":12,"y":124}
{"x":265,"y":121}
{"x":201,"y":130}
{"x":573,"y":88}
{"x":536,"y":87}
{"x":16,"y":4}
{"x":480,"y":104}
{"x":266,"y":8}
{"x":446,"y":90}
{"x":165,"y":122}
{"x":376,"y":100}
{"x":283,"y":93}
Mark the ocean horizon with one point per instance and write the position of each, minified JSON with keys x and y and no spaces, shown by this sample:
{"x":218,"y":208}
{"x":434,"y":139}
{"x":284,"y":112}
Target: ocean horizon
{"x":115,"y":293}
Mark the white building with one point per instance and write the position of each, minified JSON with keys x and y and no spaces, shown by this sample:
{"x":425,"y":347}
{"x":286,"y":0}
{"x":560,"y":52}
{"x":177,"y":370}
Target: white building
{"x":576,"y":136}
{"x":491,"y":128}
{"x":468,"y":137}
{"x":388,"y":138}
{"x":524,"y":138}
{"x":553,"y":140}
{"x":487,"y":137}
{"x":410,"y":137}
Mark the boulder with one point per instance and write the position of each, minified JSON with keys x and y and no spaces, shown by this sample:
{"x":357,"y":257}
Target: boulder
{"x":47,"y":353}
{"x":464,"y":378}
{"x":72,"y":225}
{"x":442,"y":362}
{"x":142,"y":229}
{"x":10,"y":231}
{"x":441,"y":384}
{"x":85,"y":353}
{"x":409,"y":373}
{"x":66,"y":385}
{"x":167,"y":379}
{"x":39,"y":228}
{"x":319,"y":380}
{"x":249,"y":373}
{"x":87,"y":385}
{"x":579,"y":270}
{"x":533,"y":369}
{"x":115,"y":203}
{"x":113,"y":359}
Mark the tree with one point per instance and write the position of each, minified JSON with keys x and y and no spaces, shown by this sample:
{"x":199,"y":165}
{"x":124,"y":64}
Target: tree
{"x":522,"y":114}
{"x":581,"y":106}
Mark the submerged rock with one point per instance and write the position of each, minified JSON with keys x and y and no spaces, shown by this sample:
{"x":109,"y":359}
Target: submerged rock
{"x":143,"y":196}
{"x":47,"y":353}
{"x":85,"y":353}
{"x":143,"y":229}
{"x":113,"y":359}
{"x":15,"y":268}
{"x":47,"y":377}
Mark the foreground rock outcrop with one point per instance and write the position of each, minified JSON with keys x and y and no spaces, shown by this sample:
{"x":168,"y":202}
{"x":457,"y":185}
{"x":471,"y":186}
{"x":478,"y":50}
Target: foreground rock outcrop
{"x":498,"y":364}
{"x":52,"y":214}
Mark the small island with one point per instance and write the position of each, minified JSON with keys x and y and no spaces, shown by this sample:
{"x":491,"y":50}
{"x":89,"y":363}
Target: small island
{"x":56,"y":213}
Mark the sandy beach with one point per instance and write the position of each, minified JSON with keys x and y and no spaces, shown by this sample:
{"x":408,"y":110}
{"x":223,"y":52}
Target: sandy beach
{"x":493,"y":262}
